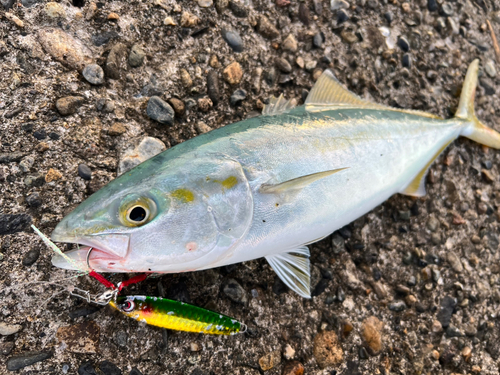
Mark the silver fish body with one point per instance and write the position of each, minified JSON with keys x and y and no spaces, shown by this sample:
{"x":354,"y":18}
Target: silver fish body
{"x":266,"y":186}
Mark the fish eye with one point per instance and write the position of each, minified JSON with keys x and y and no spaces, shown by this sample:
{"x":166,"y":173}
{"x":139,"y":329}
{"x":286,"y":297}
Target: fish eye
{"x":138,"y":214}
{"x":128,"y":306}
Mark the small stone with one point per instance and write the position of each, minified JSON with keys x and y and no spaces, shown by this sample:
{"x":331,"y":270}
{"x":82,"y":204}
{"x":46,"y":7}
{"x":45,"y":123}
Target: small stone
{"x":204,"y":104}
{"x":406,"y":60}
{"x":136,"y":56}
{"x":103,"y":38}
{"x":33,"y":200}
{"x":267,"y":29}
{"x":135,"y":371}
{"x":300,"y":62}
{"x":339,"y":4}
{"x":117,"y":129}
{"x":304,"y":13}
{"x":433,"y":224}
{"x":233,"y":73}
{"x":6,"y":347}
{"x":64,"y":48}
{"x":213,"y":90}
{"x":26,"y":164}
{"x":213,"y":61}
{"x":9,"y":157}
{"x":397,"y":306}
{"x":113,"y":16}
{"x":454,"y":261}
{"x":69,"y":104}
{"x":9,"y":329}
{"x":53,"y":175}
{"x":40,"y":134}
{"x":205,"y":3}
{"x":270,"y":360}
{"x":436,"y":326}
{"x":290,"y":44}
{"x":403,"y":44}
{"x":80,"y":338}
{"x":311,"y":65}
{"x":186,"y":78}
{"x":447,"y":309}
{"x":238,"y":8}
{"x":87,"y":368}
{"x":189,"y":20}
{"x":20,"y":361}
{"x":349,"y":36}
{"x":372,"y":334}
{"x":117,"y":61}
{"x":54,"y":10}
{"x":194,"y":347}
{"x":446,"y":9}
{"x":233,"y":39}
{"x":432,"y":5}
{"x":35,"y":180}
{"x":327,"y":349}
{"x":293,"y":368}
{"x":94,"y":74}
{"x":84,"y":172}
{"x":31,"y":257}
{"x":235,"y":291}
{"x":109,"y":368}
{"x":139,"y":151}
{"x":318,"y":39}
{"x":169,"y":21}
{"x":14,"y":19}
{"x":178,"y":106}
{"x":283,"y":65}
{"x":488,"y":85}
{"x":13,"y":223}
{"x":237,"y":97}
{"x":160,"y":111}
{"x":201,"y":127}
{"x":289,"y":352}
{"x":490,"y":69}
{"x":453,"y":331}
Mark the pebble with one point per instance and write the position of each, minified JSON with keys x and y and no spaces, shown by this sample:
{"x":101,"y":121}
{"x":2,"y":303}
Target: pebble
{"x":84,"y":172}
{"x":6,"y":347}
{"x":69,"y":105}
{"x":289,"y":352}
{"x":20,"y":361}
{"x":238,"y":8}
{"x":135,"y":371}
{"x":9,"y":329}
{"x":9,"y":157}
{"x":33,"y":200}
{"x":53,"y":175}
{"x":205,"y":3}
{"x":304,"y":14}
{"x":80,"y":338}
{"x":232,"y":73}
{"x":35,"y":180}
{"x":138,"y":152}
{"x":213,"y":90}
{"x":117,"y":61}
{"x":237,"y":97}
{"x":169,"y":21}
{"x":14,"y":223}
{"x":65,"y":368}
{"x":293,"y":368}
{"x":54,"y":10}
{"x":189,"y":20}
{"x":178,"y":106}
{"x":267,"y":29}
{"x":447,"y":309}
{"x":397,"y":306}
{"x":233,"y":39}
{"x":31,"y":257}
{"x":432,"y":5}
{"x":160,"y":111}
{"x":103,"y":38}
{"x":26,"y":164}
{"x":454,"y":261}
{"x":69,"y":51}
{"x":371,"y":331}
{"x":349,"y":37}
{"x":235,"y":291}
{"x":94,"y":74}
{"x":490,"y":69}
{"x":403,"y":44}
{"x":290,"y":44}
{"x":283,"y":65}
{"x":87,"y":368}
{"x":318,"y":39}
{"x":327,"y":350}
{"x":270,"y":360}
{"x":40,"y":134}
{"x":194,"y":347}
{"x":406,"y":60}
{"x":433,"y":224}
{"x":446,"y":9}
{"x":109,"y":368}
{"x":136,"y":56}
{"x":117,"y":129}
{"x":201,"y":127}
{"x":186,"y":78}
{"x":339,"y":4}
{"x":453,"y":331}
{"x":204,"y":104}
{"x":488,"y":85}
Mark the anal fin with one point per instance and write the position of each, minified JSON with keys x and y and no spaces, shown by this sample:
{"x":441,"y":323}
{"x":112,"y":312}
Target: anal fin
{"x":293,"y":268}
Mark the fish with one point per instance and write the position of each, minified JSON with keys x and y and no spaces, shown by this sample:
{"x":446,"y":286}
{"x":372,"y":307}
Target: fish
{"x":175,"y":315}
{"x":267,"y":186}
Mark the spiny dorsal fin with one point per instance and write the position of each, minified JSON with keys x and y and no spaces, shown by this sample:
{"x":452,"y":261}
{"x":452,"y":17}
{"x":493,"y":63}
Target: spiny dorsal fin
{"x":296,"y":183}
{"x":278,"y":106}
{"x":293,"y":268}
{"x":328,"y":94}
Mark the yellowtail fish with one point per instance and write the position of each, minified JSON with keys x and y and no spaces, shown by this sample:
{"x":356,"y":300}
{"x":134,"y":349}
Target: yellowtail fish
{"x":265,"y":187}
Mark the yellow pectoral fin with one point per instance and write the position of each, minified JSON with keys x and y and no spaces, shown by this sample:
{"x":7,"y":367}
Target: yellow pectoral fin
{"x":416,"y":188}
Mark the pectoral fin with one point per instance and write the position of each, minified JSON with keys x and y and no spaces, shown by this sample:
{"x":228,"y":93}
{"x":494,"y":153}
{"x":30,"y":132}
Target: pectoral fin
{"x":293,"y":268}
{"x":296,"y":183}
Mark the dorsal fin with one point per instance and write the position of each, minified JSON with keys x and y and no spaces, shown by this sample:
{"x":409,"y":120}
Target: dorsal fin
{"x":328,"y":94}
{"x":278,"y":106}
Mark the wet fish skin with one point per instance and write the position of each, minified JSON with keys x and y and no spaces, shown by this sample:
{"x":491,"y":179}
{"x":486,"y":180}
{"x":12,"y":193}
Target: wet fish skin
{"x":266,"y":186}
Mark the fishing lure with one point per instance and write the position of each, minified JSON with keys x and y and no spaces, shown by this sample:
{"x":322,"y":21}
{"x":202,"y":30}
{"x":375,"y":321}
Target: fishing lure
{"x":155,"y":311}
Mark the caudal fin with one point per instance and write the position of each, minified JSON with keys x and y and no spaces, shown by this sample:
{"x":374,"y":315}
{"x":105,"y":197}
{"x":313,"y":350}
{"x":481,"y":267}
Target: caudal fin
{"x":476,"y":131}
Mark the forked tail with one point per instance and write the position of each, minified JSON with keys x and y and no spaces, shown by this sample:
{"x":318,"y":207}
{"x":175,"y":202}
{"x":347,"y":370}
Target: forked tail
{"x":476,"y":131}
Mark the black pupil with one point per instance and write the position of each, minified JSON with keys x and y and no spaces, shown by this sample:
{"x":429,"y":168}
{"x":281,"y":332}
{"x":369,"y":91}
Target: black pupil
{"x":137,"y":214}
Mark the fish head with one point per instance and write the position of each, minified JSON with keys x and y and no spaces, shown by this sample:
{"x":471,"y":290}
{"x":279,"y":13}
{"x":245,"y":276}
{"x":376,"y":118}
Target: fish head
{"x":181,"y":218}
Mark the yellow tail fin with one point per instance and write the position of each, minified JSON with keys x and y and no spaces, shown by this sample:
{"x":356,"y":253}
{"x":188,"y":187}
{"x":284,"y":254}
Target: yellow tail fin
{"x":476,"y":131}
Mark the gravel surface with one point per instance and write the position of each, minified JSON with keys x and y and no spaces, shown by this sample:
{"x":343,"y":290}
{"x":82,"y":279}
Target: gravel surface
{"x":88,"y":90}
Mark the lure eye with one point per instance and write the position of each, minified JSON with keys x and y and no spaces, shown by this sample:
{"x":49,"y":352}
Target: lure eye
{"x":128,"y":306}
{"x":136,"y":210}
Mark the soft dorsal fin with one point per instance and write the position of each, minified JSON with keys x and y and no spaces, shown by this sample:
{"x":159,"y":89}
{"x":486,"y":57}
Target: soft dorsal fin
{"x":278,"y":106}
{"x":296,"y":183}
{"x":293,"y":268}
{"x":328,"y":94}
